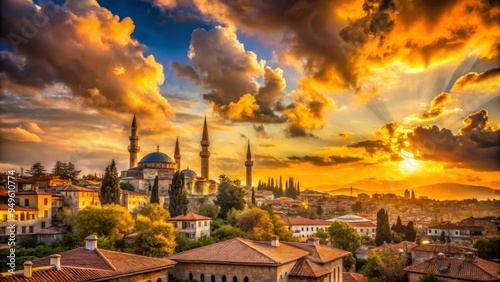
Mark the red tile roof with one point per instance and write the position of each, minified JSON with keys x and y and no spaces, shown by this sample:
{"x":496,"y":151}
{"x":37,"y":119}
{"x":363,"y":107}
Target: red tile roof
{"x":464,"y":269}
{"x":5,"y":207}
{"x":319,"y":253}
{"x":362,"y":224}
{"x":41,"y":274}
{"x":353,"y":277}
{"x":306,"y":268}
{"x":439,"y":248}
{"x":396,"y":247}
{"x":294,"y":221}
{"x":73,"y":188}
{"x":189,"y":217}
{"x":241,"y":252}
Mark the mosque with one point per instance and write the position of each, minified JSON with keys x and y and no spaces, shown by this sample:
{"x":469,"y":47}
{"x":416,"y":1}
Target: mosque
{"x":142,"y":174}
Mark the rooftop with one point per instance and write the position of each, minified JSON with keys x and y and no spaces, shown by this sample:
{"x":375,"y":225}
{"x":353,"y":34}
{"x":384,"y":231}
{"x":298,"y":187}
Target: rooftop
{"x":441,"y":248}
{"x":292,"y":221}
{"x":454,"y":226}
{"x":72,"y":188}
{"x":189,"y":217}
{"x":319,"y":253}
{"x":306,"y":268}
{"x":156,"y":157}
{"x":353,"y":277}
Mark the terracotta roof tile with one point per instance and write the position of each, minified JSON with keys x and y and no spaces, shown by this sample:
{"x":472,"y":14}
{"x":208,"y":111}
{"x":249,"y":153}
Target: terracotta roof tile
{"x":304,"y":221}
{"x":465,"y":269}
{"x":73,"y":188}
{"x":5,"y":207}
{"x":241,"y":251}
{"x":353,"y":277}
{"x":319,"y":253}
{"x":189,"y":217}
{"x":396,"y":247}
{"x":45,"y":274}
{"x":306,"y":268}
{"x":439,"y":248}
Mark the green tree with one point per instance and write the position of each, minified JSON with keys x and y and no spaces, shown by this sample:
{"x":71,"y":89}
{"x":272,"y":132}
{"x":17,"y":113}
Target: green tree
{"x":410,"y":232}
{"x":155,"y":235}
{"x":383,"y":231}
{"x":395,"y":237}
{"x":430,"y":277}
{"x":110,"y":186}
{"x":319,"y":210}
{"x":385,"y":265}
{"x":210,"y":210}
{"x":37,"y":170}
{"x":488,"y":248}
{"x":155,"y":197}
{"x":58,"y":169}
{"x":399,"y":227}
{"x":357,"y":207}
{"x":344,"y":237}
{"x":367,"y":241}
{"x":227,"y":232}
{"x":178,"y":196}
{"x":126,"y":186}
{"x":256,"y":223}
{"x":442,"y":237}
{"x":323,"y":236}
{"x":313,"y":214}
{"x":229,"y":197}
{"x":253,"y":196}
{"x":113,"y":221}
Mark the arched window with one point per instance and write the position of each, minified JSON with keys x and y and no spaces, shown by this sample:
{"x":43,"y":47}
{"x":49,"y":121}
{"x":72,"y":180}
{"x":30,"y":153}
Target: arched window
{"x":159,"y":280}
{"x":202,"y":277}
{"x":235,"y":279}
{"x":223,"y":278}
{"x":190,"y":276}
{"x":212,"y":278}
{"x":245,"y":279}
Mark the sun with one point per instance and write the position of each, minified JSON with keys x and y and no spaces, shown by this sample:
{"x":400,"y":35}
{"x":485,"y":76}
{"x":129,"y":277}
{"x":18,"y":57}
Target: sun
{"x":409,"y":164}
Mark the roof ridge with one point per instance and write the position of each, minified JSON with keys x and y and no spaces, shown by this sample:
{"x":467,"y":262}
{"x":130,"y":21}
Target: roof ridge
{"x":492,"y":275}
{"x":246,"y":243}
{"x":105,"y":259}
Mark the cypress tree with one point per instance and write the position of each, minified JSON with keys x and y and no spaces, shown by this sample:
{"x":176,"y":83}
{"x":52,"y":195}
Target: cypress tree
{"x":253,"y":196}
{"x":110,"y":186}
{"x":410,"y":232}
{"x":178,"y":196}
{"x":383,"y":230}
{"x":155,"y":198}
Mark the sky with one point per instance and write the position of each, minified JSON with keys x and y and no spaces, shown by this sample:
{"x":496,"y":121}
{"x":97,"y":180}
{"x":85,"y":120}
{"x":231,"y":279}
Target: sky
{"x":378,"y":95}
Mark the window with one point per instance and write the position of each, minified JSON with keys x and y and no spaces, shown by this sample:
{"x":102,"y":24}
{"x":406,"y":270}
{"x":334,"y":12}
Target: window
{"x":212,"y":278}
{"x":224,"y":278}
{"x":22,"y":216}
{"x":373,"y":229}
{"x":202,"y":277}
{"x":43,"y":224}
{"x":206,"y":223}
{"x":26,"y":202}
{"x":31,"y":229}
{"x":190,"y":276}
{"x":245,"y":279}
{"x":158,"y":280}
{"x":302,"y":229}
{"x":456,"y":232}
{"x":199,"y":223}
{"x":83,"y":203}
{"x":46,"y":214}
{"x":361,"y":230}
{"x":24,"y":229}
{"x":316,"y":228}
{"x":235,"y":279}
{"x":435,"y":231}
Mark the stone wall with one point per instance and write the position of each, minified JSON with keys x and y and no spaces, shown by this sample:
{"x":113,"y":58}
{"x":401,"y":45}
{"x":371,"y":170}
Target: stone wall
{"x":155,"y":276}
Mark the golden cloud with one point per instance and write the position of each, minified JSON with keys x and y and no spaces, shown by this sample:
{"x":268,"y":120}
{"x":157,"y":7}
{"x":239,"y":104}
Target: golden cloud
{"x":488,"y":81}
{"x":19,"y":134}
{"x":436,"y":108}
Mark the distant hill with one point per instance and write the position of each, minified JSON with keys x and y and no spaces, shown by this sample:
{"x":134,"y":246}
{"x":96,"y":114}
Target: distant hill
{"x":438,"y":191}
{"x":456,"y":191}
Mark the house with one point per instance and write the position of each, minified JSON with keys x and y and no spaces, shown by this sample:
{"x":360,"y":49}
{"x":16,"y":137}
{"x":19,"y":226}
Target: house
{"x":90,"y":183}
{"x":245,"y":260}
{"x":77,"y":197}
{"x":191,"y":225}
{"x":363,"y":226}
{"x":458,"y":233}
{"x":134,"y":200}
{"x":92,"y":264}
{"x":305,"y":227}
{"x":51,"y":234}
{"x":454,"y":269}
{"x":424,"y":252}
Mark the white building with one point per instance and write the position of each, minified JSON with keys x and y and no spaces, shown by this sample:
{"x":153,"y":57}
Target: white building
{"x":460,"y":234}
{"x":305,"y":227}
{"x":363,"y":226}
{"x":191,"y":225}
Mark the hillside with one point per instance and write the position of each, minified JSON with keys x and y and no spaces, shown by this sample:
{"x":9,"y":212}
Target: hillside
{"x":456,"y":191}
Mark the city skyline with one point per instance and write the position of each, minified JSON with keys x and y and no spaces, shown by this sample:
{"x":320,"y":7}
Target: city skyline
{"x":332,"y":94}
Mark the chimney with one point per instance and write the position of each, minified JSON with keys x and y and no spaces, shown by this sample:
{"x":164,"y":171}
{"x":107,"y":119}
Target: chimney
{"x":275,"y":241}
{"x":440,"y":255}
{"x":91,"y":242}
{"x":28,"y":269}
{"x":312,"y":241}
{"x":55,"y":260}
{"x":469,"y":256}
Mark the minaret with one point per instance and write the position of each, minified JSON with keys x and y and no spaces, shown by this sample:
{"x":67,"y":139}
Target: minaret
{"x":249,"y":164}
{"x":177,"y":154}
{"x":205,"y":154}
{"x":133,"y":148}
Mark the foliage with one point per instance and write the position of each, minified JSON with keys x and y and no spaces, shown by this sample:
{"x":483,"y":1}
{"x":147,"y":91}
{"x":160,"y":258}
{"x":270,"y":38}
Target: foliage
{"x":227,"y":232}
{"x":279,"y":227}
{"x":367,"y":241}
{"x":37,"y":170}
{"x":410,"y":232}
{"x":155,"y":235}
{"x":396,"y":238}
{"x":209,"y":210}
{"x":65,"y":170}
{"x":178,"y":196}
{"x":488,"y":248}
{"x":155,"y":212}
{"x":323,"y":236}
{"x":93,"y":177}
{"x":357,"y":207}
{"x":114,"y":221}
{"x":25,"y":254}
{"x":319,"y":210}
{"x":110,"y":187}
{"x":229,"y":197}
{"x":64,"y":216}
{"x":385,"y":265}
{"x":383,"y":232}
{"x":344,"y":237}
{"x":442,"y":237}
{"x":184,"y":244}
{"x":155,"y":198}
{"x":430,"y":277}
{"x":126,"y":186}
{"x":313,"y":214}
{"x":256,"y":223}
{"x":348,"y":261}
{"x":253,"y":196}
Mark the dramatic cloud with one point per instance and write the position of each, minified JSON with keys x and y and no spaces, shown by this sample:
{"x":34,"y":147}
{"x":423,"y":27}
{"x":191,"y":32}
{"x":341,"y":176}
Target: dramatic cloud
{"x":371,"y":146}
{"x":345,"y":135}
{"x":488,"y":80}
{"x":436,"y":108}
{"x":85,"y":48}
{"x":20,"y":135}
{"x":326,"y":161}
{"x":260,"y":130}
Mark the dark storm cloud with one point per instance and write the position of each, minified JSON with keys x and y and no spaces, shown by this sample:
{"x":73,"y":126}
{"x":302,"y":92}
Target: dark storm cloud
{"x":371,"y":146}
{"x":326,"y":161}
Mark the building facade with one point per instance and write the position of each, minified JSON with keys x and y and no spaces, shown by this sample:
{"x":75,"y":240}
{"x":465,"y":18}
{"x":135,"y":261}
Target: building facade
{"x":191,"y":225}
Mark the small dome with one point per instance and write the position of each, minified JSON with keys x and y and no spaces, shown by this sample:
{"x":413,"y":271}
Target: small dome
{"x":188,"y":173}
{"x":156,"y":157}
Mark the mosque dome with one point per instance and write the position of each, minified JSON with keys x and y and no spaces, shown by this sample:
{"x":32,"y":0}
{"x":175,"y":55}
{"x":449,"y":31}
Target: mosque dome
{"x":188,"y":173}
{"x":156,"y":157}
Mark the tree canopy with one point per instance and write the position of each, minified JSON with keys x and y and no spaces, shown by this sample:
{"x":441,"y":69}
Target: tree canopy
{"x":385,"y":265}
{"x":37,"y":170}
{"x":229,"y":197}
{"x":383,"y":231}
{"x":155,"y":198}
{"x":155,"y":235}
{"x":488,"y":248}
{"x":65,"y":170}
{"x":344,"y":237}
{"x":178,"y":195}
{"x":110,"y":186}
